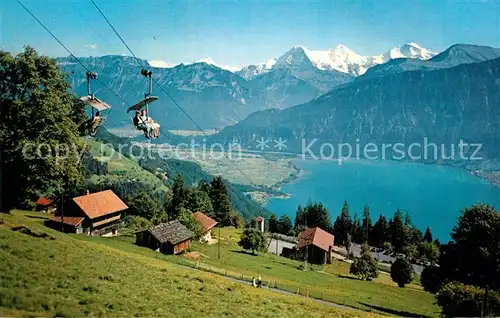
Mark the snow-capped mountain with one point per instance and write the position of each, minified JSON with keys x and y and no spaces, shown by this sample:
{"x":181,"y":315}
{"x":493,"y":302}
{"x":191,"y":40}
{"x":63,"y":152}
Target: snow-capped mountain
{"x":341,"y":59}
{"x":207,"y":60}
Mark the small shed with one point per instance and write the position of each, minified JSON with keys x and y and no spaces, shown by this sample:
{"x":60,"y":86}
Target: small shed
{"x":169,"y":238}
{"x":317,"y":244}
{"x":45,"y":205}
{"x":260,"y":223}
{"x":207,"y":223}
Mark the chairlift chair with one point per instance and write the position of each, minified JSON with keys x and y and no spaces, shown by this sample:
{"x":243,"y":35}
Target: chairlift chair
{"x":148,"y":99}
{"x":96,"y":105}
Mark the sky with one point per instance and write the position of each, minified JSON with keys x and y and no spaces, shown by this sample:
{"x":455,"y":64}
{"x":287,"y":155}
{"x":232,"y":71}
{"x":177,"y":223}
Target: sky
{"x":238,"y":33}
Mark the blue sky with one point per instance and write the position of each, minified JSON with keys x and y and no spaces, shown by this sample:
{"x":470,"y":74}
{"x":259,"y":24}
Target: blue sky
{"x":245,"y":32}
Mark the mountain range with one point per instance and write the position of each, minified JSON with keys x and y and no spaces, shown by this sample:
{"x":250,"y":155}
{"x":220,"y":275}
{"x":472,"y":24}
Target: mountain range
{"x":456,"y":96}
{"x":214,"y":97}
{"x":343,"y":59}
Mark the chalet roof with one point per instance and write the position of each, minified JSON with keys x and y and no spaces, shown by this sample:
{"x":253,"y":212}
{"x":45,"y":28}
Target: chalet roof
{"x":43,"y":201}
{"x":172,"y":232}
{"x":68,"y":220}
{"x":206,"y":222}
{"x":100,"y":203}
{"x":317,"y":237}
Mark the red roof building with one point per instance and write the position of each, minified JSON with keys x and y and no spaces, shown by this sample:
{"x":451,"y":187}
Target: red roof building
{"x":44,"y":205}
{"x":92,"y":214}
{"x":207,"y":223}
{"x":317,"y":244}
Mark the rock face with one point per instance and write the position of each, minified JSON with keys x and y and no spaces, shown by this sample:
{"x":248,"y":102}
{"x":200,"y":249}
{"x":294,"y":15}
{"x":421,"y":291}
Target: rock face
{"x":443,"y":105}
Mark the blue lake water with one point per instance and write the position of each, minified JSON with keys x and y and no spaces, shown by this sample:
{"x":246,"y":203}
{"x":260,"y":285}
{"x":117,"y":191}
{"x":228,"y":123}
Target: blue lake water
{"x":432,"y":195}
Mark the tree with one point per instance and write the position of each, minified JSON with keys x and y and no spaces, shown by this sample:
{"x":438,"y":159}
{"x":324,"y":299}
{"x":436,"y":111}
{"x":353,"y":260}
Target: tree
{"x":366,"y":225}
{"x":379,"y":233}
{"x":428,"y":235}
{"x":365,"y":266}
{"x":284,"y":225}
{"x":401,"y":272}
{"x":398,"y":232}
{"x":459,"y":300}
{"x":179,"y":196}
{"x":356,"y":231}
{"x":252,"y":239}
{"x":142,"y":205}
{"x":300,"y":218}
{"x":430,"y":278}
{"x":312,"y":215}
{"x":40,"y":144}
{"x":343,"y":224}
{"x":428,"y":252}
{"x":473,"y":255}
{"x":273,"y":224}
{"x":348,"y":245}
{"x":198,"y":200}
{"x":220,"y":201}
{"x":187,"y":219}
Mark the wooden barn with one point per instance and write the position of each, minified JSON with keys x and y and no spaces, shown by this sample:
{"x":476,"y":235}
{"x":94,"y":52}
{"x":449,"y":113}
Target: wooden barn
{"x":317,"y":244}
{"x":169,"y":238}
{"x":207,"y":223}
{"x":96,"y":214}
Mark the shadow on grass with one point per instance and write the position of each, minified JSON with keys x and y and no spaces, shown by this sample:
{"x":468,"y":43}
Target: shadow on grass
{"x":400,"y":313}
{"x":348,"y":277}
{"x":37,"y":217}
{"x":243,"y":252}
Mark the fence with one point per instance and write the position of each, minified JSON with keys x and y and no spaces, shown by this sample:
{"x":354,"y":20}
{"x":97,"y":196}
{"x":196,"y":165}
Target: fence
{"x":307,"y":292}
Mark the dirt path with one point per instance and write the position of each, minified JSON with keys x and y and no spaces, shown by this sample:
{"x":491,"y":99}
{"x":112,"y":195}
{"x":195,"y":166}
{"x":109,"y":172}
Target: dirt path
{"x":276,"y":290}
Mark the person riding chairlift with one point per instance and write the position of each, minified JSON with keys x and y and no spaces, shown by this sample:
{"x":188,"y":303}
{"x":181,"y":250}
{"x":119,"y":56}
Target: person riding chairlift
{"x":152,"y":126}
{"x":149,"y":126}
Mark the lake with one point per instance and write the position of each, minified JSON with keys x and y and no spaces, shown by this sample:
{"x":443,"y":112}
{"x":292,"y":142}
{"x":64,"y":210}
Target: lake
{"x":433,"y":195}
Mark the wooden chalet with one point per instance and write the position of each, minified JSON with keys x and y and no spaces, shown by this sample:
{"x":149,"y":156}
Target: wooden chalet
{"x":317,"y":244}
{"x":169,"y":238}
{"x":96,"y":214}
{"x":207,"y":223}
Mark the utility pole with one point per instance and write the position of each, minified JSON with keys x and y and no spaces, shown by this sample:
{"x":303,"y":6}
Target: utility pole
{"x":218,"y":245}
{"x":62,"y":211}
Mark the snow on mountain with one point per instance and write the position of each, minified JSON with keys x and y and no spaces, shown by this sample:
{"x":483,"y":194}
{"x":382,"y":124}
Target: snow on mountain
{"x":224,"y":67}
{"x":340,"y":58}
{"x":207,"y":60}
{"x":160,"y":64}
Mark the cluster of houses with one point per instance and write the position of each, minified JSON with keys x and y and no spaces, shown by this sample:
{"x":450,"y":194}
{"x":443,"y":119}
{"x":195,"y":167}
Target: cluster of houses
{"x":99,"y":214}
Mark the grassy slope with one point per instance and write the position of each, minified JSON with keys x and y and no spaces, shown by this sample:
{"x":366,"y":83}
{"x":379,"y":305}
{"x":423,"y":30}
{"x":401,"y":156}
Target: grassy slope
{"x":60,"y":275}
{"x":333,"y":282}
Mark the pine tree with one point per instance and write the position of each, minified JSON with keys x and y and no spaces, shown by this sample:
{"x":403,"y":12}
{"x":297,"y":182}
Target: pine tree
{"x":343,"y":224}
{"x":220,"y":201}
{"x":379,"y":232}
{"x":398,"y":232}
{"x":273,"y":224}
{"x":300,"y":219}
{"x":356,"y":229}
{"x":428,"y":235}
{"x":179,"y":196}
{"x":285,"y":225}
{"x":366,"y":225}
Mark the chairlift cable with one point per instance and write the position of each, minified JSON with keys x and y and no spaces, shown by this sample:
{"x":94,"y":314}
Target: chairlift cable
{"x":162,"y":89}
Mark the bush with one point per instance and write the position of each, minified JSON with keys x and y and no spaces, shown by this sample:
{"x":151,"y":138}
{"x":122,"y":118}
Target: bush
{"x":457,"y":299}
{"x":402,"y":272}
{"x":364,"y":267}
{"x":135,"y":223}
{"x":431,"y":279}
{"x":252,"y":239}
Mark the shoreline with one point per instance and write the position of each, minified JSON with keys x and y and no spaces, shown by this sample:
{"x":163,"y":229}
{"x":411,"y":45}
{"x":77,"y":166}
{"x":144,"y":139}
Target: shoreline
{"x":490,"y":176}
